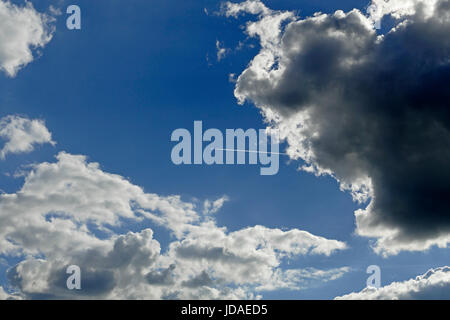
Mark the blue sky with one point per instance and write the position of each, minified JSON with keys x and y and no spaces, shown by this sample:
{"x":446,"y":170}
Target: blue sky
{"x":137,"y":70}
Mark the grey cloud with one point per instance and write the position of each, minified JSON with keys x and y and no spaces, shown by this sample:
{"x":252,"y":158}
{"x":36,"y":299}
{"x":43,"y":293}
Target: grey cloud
{"x":26,"y":30}
{"x":101,"y":272}
{"x":21,"y":135}
{"x":203,"y":279}
{"x":161,"y":277}
{"x":96,"y":283}
{"x":368,"y":108}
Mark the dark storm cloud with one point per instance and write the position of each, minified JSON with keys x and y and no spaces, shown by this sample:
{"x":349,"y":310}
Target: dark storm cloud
{"x":191,"y":252}
{"x":95,"y":282}
{"x":377,"y":107}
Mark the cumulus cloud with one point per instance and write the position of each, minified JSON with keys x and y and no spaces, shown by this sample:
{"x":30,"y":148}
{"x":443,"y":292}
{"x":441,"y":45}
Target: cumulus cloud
{"x":369,"y":109}
{"x":22,"y":135}
{"x":67,"y":213}
{"x":22,"y":29}
{"x":433,"y":285}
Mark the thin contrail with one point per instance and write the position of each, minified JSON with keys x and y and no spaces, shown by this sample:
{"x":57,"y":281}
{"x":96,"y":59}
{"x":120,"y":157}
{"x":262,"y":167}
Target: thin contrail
{"x":251,"y":151}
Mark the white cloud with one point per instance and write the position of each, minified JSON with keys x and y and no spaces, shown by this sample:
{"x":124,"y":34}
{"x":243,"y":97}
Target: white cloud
{"x":249,"y":6}
{"x":249,"y":257}
{"x":51,"y":219}
{"x":400,"y":8}
{"x":22,"y":135}
{"x":22,"y":29}
{"x":77,"y":192}
{"x":435,"y":284}
{"x":211,"y":207}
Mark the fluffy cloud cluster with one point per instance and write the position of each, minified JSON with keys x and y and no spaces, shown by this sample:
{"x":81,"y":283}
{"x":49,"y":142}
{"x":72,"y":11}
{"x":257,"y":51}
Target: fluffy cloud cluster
{"x":372,"y":110}
{"x":22,"y":29}
{"x":22,"y":134}
{"x":69,"y":213}
{"x":433,"y":285}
